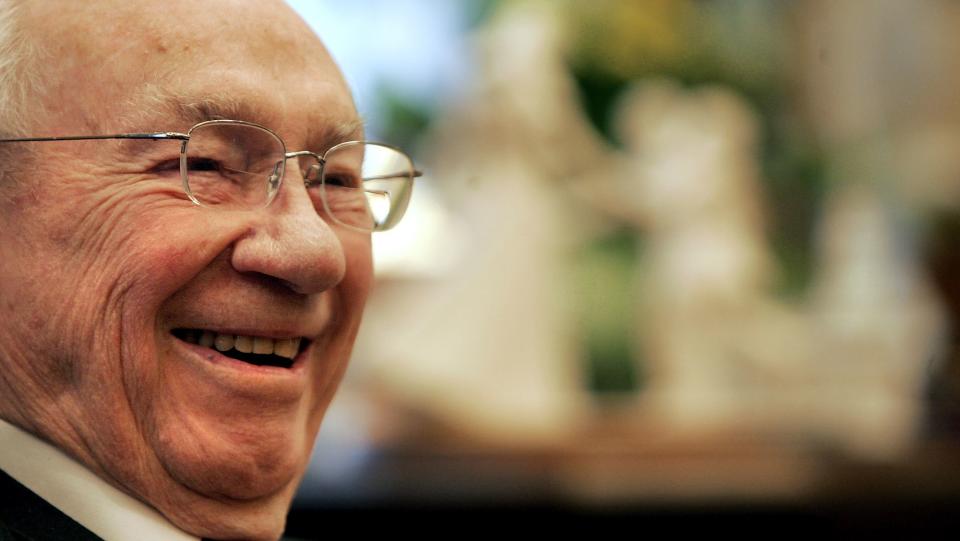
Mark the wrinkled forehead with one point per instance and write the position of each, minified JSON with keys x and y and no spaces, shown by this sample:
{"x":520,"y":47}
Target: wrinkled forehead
{"x":118,"y":65}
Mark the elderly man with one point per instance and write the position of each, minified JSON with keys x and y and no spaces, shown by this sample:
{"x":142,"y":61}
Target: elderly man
{"x":185,"y":220}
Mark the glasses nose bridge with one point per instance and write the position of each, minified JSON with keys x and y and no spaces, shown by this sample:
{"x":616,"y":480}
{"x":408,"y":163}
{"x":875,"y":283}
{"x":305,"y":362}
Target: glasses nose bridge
{"x":301,"y":153}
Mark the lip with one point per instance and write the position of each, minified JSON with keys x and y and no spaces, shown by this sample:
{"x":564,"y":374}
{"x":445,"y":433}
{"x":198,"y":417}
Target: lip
{"x":275,"y":334}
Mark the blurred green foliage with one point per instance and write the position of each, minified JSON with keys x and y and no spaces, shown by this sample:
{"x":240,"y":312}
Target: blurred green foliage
{"x":605,"y":302}
{"x":404,"y":120}
{"x":741,"y":45}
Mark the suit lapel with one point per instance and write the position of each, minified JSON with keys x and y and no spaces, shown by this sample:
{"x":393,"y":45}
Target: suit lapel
{"x":24,"y":515}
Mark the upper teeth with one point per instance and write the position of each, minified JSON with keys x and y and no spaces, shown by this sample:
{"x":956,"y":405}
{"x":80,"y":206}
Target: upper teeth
{"x":286,"y":347}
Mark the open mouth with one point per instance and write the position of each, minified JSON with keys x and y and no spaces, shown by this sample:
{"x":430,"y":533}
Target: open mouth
{"x":256,"y":350}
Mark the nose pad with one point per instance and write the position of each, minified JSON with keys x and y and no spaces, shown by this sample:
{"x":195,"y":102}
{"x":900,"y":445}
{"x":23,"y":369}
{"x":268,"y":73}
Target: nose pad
{"x":311,"y":175}
{"x":273,"y":181}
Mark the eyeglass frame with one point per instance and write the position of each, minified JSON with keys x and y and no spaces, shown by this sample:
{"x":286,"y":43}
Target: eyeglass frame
{"x":184,"y":138}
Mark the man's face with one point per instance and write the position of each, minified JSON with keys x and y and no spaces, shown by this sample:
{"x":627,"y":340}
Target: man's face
{"x":106,"y":266}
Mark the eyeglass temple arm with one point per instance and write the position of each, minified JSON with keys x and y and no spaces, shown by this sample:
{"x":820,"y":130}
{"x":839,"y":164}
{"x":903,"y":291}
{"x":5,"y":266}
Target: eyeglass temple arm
{"x":416,"y":173}
{"x":154,"y":136}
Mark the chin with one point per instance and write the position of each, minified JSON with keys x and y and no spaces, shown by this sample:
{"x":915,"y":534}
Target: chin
{"x":237,"y":449}
{"x":262,"y":519}
{"x":233,"y":468}
{"x":229,"y":487}
{"x":231,"y":456}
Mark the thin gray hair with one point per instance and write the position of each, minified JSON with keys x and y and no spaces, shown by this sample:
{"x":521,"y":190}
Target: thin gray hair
{"x":20,"y":80}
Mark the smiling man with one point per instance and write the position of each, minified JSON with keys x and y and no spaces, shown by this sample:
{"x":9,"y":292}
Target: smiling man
{"x":185,"y":221}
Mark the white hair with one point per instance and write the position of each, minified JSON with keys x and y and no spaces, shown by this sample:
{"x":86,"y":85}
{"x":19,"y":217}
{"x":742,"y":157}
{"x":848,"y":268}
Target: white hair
{"x":18,"y":77}
{"x":20,"y":81}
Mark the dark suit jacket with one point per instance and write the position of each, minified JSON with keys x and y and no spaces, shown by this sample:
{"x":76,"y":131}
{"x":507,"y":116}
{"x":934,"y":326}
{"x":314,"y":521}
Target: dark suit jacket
{"x":24,"y":516}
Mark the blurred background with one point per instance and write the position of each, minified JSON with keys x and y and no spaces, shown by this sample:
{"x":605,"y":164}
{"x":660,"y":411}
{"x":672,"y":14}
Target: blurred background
{"x":670,"y":259}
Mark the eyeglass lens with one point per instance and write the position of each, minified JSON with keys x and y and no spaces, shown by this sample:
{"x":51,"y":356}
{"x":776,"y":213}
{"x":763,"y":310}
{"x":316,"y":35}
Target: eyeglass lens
{"x":236,"y":166}
{"x":228,"y":165}
{"x":366,"y":185}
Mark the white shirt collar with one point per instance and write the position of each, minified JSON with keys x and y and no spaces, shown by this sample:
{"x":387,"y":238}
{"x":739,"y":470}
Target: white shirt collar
{"x":97,"y":505}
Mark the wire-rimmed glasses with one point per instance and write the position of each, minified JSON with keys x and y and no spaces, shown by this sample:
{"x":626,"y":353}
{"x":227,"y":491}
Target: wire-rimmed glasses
{"x":238,"y":165}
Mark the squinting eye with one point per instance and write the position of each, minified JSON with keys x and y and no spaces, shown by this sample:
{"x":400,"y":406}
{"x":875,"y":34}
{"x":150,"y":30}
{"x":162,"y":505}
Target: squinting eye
{"x":341,"y":179}
{"x":167,"y":166}
{"x":193,"y":164}
{"x":203,"y":164}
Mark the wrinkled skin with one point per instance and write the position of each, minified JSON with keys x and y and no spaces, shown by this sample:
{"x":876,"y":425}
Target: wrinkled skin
{"x":101,"y":258}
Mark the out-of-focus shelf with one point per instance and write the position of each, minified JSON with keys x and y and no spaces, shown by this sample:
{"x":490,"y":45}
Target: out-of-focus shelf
{"x":612,"y":470}
{"x":676,"y":486}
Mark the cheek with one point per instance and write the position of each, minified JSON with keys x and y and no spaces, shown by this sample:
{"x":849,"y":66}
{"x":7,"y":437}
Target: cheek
{"x":352,"y":296}
{"x":85,"y":283}
{"x":352,"y":293}
{"x":89,"y":283}
{"x":123,"y":275}
{"x":358,"y":279}
{"x":111,"y":240}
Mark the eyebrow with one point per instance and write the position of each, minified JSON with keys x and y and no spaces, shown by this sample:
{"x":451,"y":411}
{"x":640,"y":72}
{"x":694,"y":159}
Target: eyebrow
{"x":216,"y":108}
{"x":329,"y":134}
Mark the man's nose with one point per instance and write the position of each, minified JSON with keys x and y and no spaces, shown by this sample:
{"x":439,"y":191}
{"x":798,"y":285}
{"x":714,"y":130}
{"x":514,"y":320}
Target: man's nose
{"x":290,"y":242}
